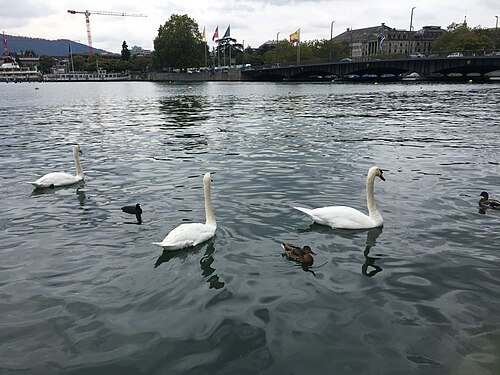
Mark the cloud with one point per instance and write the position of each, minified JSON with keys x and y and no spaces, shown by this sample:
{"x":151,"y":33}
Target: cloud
{"x":255,"y":21}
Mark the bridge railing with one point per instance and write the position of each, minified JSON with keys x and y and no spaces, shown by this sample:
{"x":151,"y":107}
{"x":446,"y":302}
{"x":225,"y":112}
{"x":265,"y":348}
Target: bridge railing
{"x":433,"y":54}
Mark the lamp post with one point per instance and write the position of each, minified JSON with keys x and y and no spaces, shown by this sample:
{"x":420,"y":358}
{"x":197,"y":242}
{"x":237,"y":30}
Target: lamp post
{"x":496,"y":24}
{"x":331,"y":39}
{"x":243,"y":44}
{"x":411,"y":19}
{"x":277,"y":41}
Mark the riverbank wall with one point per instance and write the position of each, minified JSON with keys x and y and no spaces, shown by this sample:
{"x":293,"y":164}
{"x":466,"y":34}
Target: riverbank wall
{"x":228,"y":75}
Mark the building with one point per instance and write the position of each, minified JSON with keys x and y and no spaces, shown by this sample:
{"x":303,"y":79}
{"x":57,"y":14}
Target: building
{"x":385,"y":40}
{"x":139,"y":51}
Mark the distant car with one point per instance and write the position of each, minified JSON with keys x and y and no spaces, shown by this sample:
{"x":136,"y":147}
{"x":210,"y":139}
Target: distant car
{"x":345,"y":59}
{"x":417,"y":55}
{"x":456,"y":54}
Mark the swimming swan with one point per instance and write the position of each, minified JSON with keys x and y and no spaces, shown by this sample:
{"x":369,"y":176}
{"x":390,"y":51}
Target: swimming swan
{"x":56,"y":179}
{"x":343,"y":217}
{"x":192,"y":234}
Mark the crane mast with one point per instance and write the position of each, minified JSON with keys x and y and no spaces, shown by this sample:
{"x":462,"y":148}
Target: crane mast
{"x":87,"y":14}
{"x":5,"y":49}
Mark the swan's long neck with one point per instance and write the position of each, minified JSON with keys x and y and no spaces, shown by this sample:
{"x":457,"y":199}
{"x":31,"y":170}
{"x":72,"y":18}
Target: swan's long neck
{"x":79,"y":170}
{"x":209,"y":211}
{"x":370,"y":199}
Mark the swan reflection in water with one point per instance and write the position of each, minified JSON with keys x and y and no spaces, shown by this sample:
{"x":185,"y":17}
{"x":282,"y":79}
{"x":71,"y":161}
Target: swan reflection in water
{"x":207,"y":271}
{"x":371,"y":238}
{"x":369,"y":268}
{"x":80,"y":195}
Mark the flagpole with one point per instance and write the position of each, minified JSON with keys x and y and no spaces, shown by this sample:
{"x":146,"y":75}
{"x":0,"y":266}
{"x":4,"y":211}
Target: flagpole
{"x":71,"y":55}
{"x":298,"y":49}
{"x":205,"y":45}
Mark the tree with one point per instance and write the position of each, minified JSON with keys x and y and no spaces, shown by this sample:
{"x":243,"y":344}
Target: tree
{"x":178,"y":44}
{"x":227,"y":49}
{"x":125,"y":51}
{"x":460,"y":37}
{"x":139,"y":63}
{"x":78,"y":63}
{"x":253,"y":57}
{"x":46,"y":63}
{"x":309,"y":50}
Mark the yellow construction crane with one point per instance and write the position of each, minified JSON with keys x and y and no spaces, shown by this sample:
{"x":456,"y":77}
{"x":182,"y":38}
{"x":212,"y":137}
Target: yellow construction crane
{"x":87,"y":14}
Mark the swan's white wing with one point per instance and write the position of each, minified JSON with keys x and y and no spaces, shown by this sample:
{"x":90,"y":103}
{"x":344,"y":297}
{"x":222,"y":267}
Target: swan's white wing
{"x":56,"y":179}
{"x":186,"y":235}
{"x":341,"y":217}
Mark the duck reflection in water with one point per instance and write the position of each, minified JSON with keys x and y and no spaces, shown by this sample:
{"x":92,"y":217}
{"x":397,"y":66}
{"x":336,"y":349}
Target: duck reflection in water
{"x":206,"y":261}
{"x":371,"y":239}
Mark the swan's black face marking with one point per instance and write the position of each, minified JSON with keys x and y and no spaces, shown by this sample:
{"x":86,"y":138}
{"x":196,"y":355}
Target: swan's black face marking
{"x":381,"y":174}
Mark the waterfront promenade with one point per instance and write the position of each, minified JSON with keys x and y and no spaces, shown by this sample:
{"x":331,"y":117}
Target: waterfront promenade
{"x":429,"y":68}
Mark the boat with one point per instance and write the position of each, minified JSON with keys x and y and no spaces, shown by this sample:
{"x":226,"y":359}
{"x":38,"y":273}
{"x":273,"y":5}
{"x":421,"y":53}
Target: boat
{"x":99,"y":75}
{"x":10,"y":71}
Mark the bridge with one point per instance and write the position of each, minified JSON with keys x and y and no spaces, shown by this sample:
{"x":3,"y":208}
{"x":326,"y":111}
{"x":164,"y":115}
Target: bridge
{"x":465,"y":67}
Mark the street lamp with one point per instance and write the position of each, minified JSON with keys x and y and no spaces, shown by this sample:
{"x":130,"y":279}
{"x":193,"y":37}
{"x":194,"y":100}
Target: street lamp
{"x":331,"y":39}
{"x":411,"y":18}
{"x":277,"y":41}
{"x":243,"y":44}
{"x":496,"y":24}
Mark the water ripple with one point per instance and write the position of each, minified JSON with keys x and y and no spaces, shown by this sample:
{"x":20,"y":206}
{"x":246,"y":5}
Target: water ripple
{"x":83,"y":290}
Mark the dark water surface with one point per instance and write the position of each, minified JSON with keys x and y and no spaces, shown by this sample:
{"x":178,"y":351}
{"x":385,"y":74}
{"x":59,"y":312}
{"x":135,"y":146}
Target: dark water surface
{"x":83,"y":290}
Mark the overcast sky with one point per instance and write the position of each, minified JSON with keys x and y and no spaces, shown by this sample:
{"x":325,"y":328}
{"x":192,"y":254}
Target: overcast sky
{"x":254,"y":21}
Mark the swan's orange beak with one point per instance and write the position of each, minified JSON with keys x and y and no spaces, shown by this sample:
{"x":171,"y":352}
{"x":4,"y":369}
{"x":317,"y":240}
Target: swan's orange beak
{"x":382,"y":176}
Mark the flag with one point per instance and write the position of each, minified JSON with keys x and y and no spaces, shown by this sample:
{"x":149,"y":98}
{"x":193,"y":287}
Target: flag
{"x":228,"y":31}
{"x":203,"y":35}
{"x":216,"y":33}
{"x":295,"y":37}
{"x":382,"y":40}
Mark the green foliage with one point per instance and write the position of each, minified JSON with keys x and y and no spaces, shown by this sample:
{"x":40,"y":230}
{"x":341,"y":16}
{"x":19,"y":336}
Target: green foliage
{"x":110,"y":63}
{"x":139,"y":63}
{"x":179,"y":44}
{"x":78,"y":63}
{"x":46,"y":63}
{"x":125,"y":51}
{"x":285,"y":52}
{"x":460,"y":37}
{"x":253,"y":57}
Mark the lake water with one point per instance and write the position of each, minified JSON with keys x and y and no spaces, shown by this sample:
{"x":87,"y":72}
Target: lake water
{"x":84,"y":291}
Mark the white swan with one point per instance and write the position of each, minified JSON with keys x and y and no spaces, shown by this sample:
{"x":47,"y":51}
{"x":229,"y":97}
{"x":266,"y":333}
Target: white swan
{"x":343,"y":217}
{"x":192,"y":234}
{"x":56,"y":179}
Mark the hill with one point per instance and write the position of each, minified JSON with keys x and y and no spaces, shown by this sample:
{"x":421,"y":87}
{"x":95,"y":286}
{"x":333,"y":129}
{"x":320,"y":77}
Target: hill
{"x":45,"y":47}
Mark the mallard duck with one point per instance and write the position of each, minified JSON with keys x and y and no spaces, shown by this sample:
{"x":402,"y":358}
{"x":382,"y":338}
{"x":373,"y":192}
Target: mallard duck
{"x":134,"y":210}
{"x":489,"y":203}
{"x":298,"y":254}
{"x":343,"y":217}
